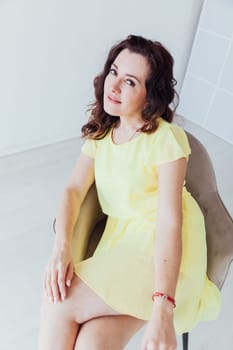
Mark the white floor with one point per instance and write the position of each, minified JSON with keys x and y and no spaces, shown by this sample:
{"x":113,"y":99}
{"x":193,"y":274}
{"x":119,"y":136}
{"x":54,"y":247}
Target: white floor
{"x":30,"y":186}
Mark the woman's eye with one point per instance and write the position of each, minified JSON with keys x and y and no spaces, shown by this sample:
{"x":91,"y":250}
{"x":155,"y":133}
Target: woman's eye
{"x":113,"y":71}
{"x":130,"y":82}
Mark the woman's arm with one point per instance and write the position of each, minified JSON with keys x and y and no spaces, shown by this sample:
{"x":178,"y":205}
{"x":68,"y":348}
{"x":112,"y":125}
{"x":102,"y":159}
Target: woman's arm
{"x":168,"y":242}
{"x":160,"y":332}
{"x":79,"y":182}
{"x":59,"y":271}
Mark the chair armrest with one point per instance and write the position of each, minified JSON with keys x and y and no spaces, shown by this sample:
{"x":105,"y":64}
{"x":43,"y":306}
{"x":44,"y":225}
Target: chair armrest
{"x":90,"y":214}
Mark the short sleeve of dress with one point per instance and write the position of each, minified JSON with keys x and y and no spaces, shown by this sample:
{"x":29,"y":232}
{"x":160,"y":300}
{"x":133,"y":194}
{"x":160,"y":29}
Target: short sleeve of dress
{"x":89,"y":148}
{"x":171,"y":144}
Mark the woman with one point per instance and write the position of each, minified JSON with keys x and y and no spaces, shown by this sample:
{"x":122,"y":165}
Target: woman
{"x":153,"y":246}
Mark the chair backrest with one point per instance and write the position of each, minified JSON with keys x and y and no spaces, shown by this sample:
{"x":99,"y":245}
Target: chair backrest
{"x":201,"y":183}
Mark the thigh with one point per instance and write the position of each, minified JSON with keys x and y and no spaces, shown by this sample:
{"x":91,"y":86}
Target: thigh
{"x":80,"y":305}
{"x":85,"y":303}
{"x":108,"y":332}
{"x":60,"y":322}
{"x":57,"y":328}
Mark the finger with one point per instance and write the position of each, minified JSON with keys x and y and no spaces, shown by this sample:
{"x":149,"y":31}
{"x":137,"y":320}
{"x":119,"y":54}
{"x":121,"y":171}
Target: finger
{"x":48,"y":288}
{"x":50,"y":293}
{"x":54,"y":287}
{"x":143,"y":344}
{"x":44,"y":283}
{"x":45,"y":280}
{"x":61,"y":282}
{"x":150,"y":345}
{"x":143,"y":347}
{"x":69,"y":275}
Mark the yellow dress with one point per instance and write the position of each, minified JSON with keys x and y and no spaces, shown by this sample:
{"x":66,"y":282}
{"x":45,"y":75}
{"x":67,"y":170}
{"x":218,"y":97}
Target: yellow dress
{"x":121,"y":271}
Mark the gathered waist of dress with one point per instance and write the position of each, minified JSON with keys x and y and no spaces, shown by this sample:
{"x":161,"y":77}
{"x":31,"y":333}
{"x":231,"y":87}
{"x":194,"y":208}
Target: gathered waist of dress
{"x":143,"y":207}
{"x":132,"y":215}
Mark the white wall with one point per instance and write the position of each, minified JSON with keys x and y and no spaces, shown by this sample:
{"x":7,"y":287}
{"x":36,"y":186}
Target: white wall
{"x":51,"y":51}
{"x":207,"y":92}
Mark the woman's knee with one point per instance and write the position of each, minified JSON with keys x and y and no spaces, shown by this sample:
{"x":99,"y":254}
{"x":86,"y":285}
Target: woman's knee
{"x":92,"y":335}
{"x":107,"y":332}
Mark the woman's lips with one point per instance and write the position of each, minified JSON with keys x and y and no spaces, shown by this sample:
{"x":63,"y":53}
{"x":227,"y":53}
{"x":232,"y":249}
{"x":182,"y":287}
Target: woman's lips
{"x":113,"y":100}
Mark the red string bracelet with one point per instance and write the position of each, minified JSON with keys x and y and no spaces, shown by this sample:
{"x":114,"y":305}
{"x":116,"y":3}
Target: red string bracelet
{"x":164,"y":296}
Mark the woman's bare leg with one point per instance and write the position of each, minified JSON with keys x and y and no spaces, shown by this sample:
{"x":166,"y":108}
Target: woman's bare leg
{"x":108,"y":332}
{"x":58,"y":330}
{"x":60,"y":322}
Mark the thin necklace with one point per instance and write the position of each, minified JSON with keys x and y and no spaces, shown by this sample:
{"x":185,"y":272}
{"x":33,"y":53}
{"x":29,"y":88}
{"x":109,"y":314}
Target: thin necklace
{"x":130,"y":138}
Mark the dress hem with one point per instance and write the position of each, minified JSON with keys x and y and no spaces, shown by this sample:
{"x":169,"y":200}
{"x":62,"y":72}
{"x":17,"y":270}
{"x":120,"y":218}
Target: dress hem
{"x":102,"y":298}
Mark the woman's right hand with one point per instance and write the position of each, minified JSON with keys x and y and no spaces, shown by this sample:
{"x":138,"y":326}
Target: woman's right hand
{"x":59,"y":273}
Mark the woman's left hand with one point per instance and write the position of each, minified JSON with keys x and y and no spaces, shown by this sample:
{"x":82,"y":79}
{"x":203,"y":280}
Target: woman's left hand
{"x":160,"y":332}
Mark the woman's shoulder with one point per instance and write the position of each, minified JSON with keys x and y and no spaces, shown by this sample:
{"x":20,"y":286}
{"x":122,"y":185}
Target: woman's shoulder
{"x":99,"y":139}
{"x":170,"y":142}
{"x":167,"y":130}
{"x":165,"y":126}
{"x":91,"y":145}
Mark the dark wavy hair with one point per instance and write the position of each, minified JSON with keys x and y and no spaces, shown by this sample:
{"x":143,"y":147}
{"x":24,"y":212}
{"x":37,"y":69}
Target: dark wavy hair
{"x":160,"y":89}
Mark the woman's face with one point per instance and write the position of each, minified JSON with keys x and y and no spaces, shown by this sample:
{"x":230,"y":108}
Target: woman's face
{"x":124,"y":86}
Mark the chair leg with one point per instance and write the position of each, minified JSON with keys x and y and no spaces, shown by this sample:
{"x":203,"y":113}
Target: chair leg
{"x":185,"y":338}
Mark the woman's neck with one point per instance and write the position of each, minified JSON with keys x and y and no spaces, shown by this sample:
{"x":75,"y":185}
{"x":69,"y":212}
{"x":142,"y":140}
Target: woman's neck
{"x":129,"y":124}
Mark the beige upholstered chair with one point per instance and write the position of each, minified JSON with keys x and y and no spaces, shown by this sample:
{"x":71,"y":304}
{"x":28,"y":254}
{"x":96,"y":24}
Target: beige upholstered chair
{"x":201,"y":182}
{"x":89,"y":227}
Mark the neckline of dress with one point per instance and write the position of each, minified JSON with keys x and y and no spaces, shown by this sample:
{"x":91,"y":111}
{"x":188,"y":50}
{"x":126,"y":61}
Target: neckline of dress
{"x":160,"y":120}
{"x":123,"y":143}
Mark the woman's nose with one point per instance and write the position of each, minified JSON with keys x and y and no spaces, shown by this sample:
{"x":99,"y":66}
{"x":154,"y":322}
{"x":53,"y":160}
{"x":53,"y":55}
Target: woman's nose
{"x":115,"y":86}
